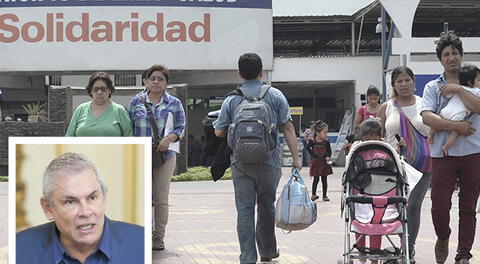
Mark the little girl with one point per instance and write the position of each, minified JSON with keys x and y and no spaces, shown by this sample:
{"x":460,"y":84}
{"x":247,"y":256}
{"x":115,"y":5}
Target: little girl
{"x":320,"y":152}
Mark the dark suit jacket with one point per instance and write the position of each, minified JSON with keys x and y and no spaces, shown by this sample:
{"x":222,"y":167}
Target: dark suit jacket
{"x":35,"y":245}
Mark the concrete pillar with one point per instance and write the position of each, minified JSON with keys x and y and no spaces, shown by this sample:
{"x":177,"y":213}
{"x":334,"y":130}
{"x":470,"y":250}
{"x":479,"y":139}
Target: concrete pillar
{"x":181,"y":92}
{"x":59,"y":104}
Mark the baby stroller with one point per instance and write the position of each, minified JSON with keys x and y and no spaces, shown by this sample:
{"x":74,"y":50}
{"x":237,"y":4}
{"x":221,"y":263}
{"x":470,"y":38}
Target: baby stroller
{"x":374,"y":203}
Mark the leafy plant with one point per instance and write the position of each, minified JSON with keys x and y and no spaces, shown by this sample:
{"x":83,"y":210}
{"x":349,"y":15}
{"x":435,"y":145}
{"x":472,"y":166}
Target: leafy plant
{"x":36,"y":109}
{"x":3,"y":178}
{"x":200,"y":174}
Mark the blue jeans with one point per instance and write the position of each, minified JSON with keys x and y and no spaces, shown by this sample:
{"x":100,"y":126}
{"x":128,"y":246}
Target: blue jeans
{"x":252,"y":183}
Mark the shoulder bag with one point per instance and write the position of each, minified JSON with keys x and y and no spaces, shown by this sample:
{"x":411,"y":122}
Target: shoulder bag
{"x":158,"y":158}
{"x":417,"y":149}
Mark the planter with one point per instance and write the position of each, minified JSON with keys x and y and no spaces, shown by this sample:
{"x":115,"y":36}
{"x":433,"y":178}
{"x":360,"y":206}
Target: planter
{"x":33,"y":118}
{"x":35,"y":112}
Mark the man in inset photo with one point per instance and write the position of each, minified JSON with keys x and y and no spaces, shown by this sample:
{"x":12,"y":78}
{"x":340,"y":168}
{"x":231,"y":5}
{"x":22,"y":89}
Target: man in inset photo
{"x":74,"y":200}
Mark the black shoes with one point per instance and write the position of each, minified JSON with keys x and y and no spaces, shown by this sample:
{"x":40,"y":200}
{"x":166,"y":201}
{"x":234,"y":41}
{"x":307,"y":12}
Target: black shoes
{"x":157,"y":244}
{"x":441,"y":251}
{"x":267,"y":259}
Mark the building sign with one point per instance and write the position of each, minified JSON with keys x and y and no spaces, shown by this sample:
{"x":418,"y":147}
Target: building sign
{"x":76,"y":35}
{"x":296,"y":110}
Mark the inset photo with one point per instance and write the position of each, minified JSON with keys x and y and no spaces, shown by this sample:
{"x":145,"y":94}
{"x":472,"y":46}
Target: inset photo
{"x":79,"y":200}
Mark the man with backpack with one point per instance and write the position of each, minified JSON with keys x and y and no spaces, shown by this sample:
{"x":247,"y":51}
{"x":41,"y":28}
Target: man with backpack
{"x":251,"y":118}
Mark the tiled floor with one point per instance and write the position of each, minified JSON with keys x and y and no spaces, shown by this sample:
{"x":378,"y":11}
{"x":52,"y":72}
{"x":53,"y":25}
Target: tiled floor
{"x":202,"y":224}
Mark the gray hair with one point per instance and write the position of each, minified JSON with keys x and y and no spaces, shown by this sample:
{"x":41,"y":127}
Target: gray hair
{"x":65,"y":165}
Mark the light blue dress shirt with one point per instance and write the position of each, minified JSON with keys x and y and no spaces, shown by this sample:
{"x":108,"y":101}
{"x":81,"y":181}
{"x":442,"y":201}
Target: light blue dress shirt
{"x":433,"y":101}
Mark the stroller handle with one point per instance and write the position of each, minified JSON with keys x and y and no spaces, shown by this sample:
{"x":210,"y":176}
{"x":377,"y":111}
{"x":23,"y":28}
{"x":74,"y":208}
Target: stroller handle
{"x":377,"y":200}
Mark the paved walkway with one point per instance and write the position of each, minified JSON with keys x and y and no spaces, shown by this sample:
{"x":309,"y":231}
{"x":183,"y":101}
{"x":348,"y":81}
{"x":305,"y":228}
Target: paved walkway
{"x":202,"y":224}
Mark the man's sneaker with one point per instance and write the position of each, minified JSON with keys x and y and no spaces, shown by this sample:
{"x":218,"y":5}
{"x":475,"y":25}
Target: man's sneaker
{"x":157,"y":244}
{"x":277,"y":254}
{"x":441,"y":251}
{"x":462,"y":261}
{"x":325,"y":199}
{"x":314,"y":197}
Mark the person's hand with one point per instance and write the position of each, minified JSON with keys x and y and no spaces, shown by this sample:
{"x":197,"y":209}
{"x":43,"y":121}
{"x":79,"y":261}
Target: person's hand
{"x":430,"y":139}
{"x":464,"y":128}
{"x":452,"y":88}
{"x":163,"y":144}
{"x":347,"y":144}
{"x":400,"y":144}
{"x":329,"y":160}
{"x":296,"y":164}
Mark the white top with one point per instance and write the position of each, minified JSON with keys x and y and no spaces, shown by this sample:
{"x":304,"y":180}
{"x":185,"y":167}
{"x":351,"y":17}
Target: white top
{"x":174,"y":146}
{"x":455,"y":109}
{"x":392,"y":120}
